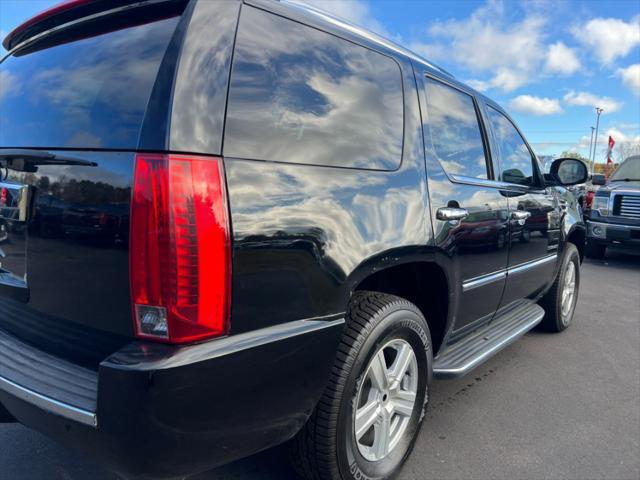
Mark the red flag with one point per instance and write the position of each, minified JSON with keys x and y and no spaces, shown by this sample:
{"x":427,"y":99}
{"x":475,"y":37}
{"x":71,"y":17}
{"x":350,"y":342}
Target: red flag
{"x":612,"y":143}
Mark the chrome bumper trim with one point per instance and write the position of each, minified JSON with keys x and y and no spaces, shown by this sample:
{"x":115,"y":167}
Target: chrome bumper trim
{"x":49,"y":404}
{"x":614,"y":225}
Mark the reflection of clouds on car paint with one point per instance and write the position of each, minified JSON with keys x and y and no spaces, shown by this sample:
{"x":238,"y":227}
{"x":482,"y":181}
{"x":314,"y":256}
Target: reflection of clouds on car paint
{"x":324,"y":101}
{"x":355,"y":224}
{"x":198,"y":113}
{"x":91,"y":92}
{"x":454,"y":130}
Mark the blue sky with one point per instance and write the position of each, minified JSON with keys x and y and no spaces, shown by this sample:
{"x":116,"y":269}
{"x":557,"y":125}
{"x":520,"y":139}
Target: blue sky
{"x":549,"y":63}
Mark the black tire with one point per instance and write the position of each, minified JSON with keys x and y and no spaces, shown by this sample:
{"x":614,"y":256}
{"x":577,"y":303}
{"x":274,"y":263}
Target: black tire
{"x":554,"y":320}
{"x":595,"y":250}
{"x":326,"y":448}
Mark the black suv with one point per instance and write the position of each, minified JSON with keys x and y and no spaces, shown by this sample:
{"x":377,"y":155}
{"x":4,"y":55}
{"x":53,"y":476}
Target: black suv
{"x":614,"y":217}
{"x":311,"y":223}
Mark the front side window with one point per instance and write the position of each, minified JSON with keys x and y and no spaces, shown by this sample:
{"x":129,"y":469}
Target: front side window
{"x":517,"y":161}
{"x":300,"y":95}
{"x":455,"y":131}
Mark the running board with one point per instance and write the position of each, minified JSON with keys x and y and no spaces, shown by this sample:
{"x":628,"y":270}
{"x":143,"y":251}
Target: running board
{"x":459,"y":358}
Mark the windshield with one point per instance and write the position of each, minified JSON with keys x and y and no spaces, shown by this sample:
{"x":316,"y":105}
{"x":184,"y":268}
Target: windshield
{"x":629,"y":170}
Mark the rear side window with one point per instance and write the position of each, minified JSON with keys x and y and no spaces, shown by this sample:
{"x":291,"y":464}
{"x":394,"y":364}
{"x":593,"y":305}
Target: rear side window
{"x":87,"y":93}
{"x":517,"y":161}
{"x":455,"y":131}
{"x":304,"y":96}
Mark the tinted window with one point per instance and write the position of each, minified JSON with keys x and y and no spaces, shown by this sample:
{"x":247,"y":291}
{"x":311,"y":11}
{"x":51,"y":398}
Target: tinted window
{"x":517,"y":162}
{"x":301,"y":95}
{"x":89,"y":93}
{"x":455,"y":131}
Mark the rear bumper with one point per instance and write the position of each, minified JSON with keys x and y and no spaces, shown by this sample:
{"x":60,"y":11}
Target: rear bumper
{"x":164,"y":411}
{"x":605,"y":233}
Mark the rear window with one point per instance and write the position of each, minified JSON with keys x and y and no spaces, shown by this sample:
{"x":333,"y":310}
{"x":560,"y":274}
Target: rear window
{"x":304,"y":96}
{"x":90,"y":93}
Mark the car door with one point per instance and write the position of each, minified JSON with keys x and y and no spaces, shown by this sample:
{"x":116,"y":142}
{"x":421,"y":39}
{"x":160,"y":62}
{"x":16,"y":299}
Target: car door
{"x":534,"y":211}
{"x":469,"y":212}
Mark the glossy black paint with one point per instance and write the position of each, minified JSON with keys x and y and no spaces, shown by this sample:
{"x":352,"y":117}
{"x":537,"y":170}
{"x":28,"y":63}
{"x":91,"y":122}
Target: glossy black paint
{"x":165,"y":412}
{"x":306,"y":234}
{"x":76,"y":255}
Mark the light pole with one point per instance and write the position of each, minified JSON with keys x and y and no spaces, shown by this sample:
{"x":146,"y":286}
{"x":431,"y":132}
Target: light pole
{"x":591,"y":143}
{"x":595,"y":142}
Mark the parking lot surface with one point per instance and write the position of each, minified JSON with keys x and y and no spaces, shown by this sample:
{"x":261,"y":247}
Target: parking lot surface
{"x":563,"y":406}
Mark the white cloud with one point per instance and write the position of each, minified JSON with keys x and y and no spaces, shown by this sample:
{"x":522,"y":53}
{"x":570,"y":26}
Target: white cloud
{"x":562,"y":59}
{"x":619,"y":136}
{"x":357,"y":12}
{"x":610,"y":38}
{"x":631,"y":77}
{"x":536,"y":105}
{"x":505,"y":79}
{"x":8,"y":84}
{"x":585,"y":99}
{"x":508,"y":53}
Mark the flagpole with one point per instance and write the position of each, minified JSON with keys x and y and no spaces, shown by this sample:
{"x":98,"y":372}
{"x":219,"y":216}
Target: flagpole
{"x":595,"y":143}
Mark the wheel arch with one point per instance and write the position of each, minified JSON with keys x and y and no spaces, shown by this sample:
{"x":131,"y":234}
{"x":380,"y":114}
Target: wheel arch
{"x":424,"y":283}
{"x":578,"y":236}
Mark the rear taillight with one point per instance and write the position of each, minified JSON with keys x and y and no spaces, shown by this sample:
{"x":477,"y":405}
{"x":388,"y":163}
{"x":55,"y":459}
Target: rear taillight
{"x":180,"y":256}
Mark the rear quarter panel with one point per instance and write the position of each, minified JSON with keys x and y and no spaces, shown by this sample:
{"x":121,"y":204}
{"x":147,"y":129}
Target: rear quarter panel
{"x":304,"y":236}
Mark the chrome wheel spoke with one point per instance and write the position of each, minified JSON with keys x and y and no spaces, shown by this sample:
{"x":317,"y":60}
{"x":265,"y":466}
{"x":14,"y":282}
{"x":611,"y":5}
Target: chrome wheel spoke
{"x":378,"y":372}
{"x":385,"y":400}
{"x":382,"y":437}
{"x":568,"y":291}
{"x":401,"y":363}
{"x":365,"y":418}
{"x":403,"y":403}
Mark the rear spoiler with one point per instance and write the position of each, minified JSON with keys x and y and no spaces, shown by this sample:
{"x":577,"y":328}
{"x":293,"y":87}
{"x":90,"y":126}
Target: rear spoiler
{"x":67,"y":13}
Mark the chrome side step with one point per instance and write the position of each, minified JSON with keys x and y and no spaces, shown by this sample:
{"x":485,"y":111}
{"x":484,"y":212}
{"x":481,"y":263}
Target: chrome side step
{"x":459,"y":358}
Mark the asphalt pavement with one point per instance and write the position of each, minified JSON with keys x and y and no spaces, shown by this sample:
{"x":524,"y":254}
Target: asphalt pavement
{"x":563,"y":406}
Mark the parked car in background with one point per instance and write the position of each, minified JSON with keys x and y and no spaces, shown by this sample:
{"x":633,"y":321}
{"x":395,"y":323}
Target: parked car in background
{"x":320,"y":222}
{"x":614,"y":216}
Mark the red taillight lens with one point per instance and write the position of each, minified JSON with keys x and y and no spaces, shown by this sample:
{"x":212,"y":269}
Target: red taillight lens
{"x":180,"y":254}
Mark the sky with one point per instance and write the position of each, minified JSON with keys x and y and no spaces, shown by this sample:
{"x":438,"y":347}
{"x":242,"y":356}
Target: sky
{"x":548,"y":62}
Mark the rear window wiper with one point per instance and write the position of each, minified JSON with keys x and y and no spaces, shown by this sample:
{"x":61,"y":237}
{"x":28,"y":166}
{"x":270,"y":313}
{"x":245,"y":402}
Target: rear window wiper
{"x":29,"y":160}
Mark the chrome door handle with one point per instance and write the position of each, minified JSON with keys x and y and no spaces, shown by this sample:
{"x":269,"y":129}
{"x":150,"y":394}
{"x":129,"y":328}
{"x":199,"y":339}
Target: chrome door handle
{"x":520,"y":215}
{"x":448,"y":213}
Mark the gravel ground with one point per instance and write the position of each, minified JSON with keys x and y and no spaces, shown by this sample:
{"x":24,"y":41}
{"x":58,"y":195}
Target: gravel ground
{"x":561,"y":406}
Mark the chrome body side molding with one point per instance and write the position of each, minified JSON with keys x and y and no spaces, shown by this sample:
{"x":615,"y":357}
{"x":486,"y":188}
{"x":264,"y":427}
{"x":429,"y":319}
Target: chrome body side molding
{"x":482,"y":280}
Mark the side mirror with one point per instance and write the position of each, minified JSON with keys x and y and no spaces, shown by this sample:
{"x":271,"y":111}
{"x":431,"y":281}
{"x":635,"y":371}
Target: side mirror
{"x":598,"y":179}
{"x":569,"y":171}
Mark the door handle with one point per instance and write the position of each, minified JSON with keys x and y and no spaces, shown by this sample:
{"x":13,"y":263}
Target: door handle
{"x":520,"y":215}
{"x":448,"y":213}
